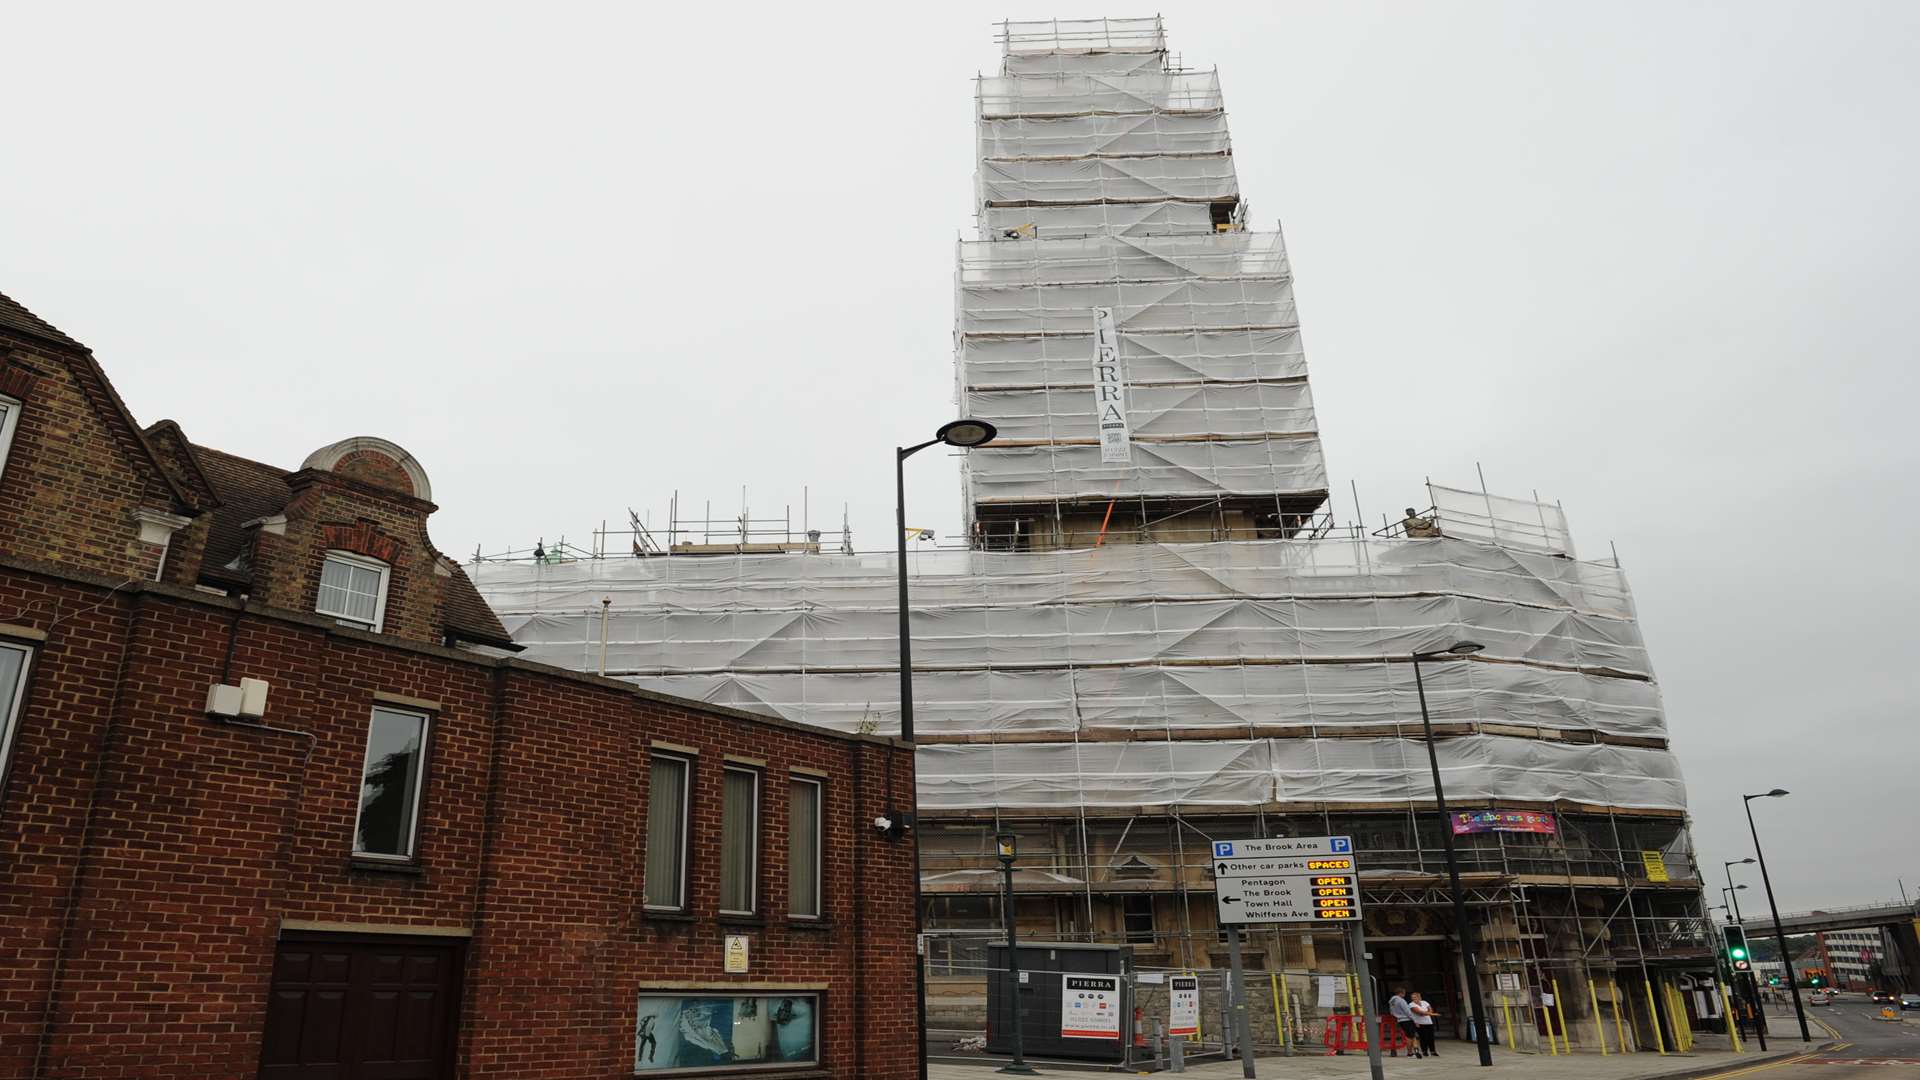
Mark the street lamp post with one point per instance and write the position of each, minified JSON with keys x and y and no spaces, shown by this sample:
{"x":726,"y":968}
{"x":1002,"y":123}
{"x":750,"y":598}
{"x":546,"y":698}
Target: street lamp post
{"x":1779,"y":934}
{"x":1004,"y":846}
{"x":1731,"y":888}
{"x":965,"y":434}
{"x":1462,"y":928}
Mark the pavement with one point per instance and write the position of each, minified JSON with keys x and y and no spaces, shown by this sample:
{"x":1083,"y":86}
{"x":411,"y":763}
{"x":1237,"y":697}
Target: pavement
{"x":1848,"y":1042}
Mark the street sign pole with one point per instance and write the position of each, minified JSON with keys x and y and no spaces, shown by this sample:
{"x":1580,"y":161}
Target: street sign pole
{"x":1237,"y":987}
{"x":1369,"y":1024}
{"x":1278,"y":880}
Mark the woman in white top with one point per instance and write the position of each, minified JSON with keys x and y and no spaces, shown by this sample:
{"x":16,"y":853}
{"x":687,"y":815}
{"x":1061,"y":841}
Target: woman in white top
{"x":1422,"y":1010}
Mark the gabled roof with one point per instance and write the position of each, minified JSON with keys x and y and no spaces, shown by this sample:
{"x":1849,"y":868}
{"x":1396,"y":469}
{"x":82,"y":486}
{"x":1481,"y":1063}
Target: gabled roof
{"x":18,"y":319}
{"x":15,"y":318}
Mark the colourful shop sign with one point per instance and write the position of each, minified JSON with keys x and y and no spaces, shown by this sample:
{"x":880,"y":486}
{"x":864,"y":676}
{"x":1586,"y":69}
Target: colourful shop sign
{"x":1479,"y":821}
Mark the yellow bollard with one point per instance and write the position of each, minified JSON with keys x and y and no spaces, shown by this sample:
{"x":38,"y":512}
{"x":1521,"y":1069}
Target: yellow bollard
{"x":1726,"y":1010}
{"x":1560,"y":1007}
{"x":1286,"y":1000}
{"x":1682,"y":1030}
{"x":1619,"y":1028}
{"x":1279,"y":1019}
{"x":1653,"y":1018}
{"x":1546,"y":1014}
{"x":1599,"y":1026}
{"x":1506,"y":1012}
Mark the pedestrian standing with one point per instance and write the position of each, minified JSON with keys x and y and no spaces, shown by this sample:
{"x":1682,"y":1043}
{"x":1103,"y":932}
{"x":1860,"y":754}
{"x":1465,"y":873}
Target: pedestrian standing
{"x":1422,"y":1011}
{"x":1402,"y":1014}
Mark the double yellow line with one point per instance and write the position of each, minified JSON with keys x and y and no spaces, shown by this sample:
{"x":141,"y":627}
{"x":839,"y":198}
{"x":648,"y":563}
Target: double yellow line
{"x":1751,"y":1069}
{"x":1796,"y":1059}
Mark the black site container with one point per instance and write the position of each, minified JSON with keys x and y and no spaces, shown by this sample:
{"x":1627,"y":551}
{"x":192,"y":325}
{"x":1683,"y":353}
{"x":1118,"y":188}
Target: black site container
{"x":1045,"y":966}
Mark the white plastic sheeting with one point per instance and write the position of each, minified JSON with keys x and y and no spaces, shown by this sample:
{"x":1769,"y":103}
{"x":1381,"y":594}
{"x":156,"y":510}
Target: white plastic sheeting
{"x":1085,"y":136}
{"x":1047,"y":180}
{"x":1501,"y":519}
{"x":1127,"y":638}
{"x":1107,"y":218}
{"x":1047,"y":474}
{"x":1103,"y":92}
{"x":1151,"y":356}
{"x":1223,"y":257}
{"x":1041,"y":41}
{"x":1278,"y":771}
{"x":1229,"y":409}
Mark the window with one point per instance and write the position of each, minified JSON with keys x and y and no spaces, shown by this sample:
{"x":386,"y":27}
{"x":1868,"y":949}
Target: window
{"x":9,"y":419}
{"x":666,"y":880}
{"x":739,"y":840}
{"x":1136,"y":913}
{"x":679,"y":1033}
{"x":13,"y":691}
{"x":803,"y":847}
{"x":390,"y":785}
{"x":353,"y":590}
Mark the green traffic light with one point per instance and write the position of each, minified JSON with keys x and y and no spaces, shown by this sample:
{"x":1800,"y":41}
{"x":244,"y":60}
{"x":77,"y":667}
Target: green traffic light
{"x":1739,"y":953}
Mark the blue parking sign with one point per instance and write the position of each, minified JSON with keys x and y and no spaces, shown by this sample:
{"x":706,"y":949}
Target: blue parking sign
{"x":1342,"y":843}
{"x":1222,"y":848}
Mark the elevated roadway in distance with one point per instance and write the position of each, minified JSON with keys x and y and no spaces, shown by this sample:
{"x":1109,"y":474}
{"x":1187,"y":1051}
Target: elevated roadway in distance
{"x":1860,"y":917}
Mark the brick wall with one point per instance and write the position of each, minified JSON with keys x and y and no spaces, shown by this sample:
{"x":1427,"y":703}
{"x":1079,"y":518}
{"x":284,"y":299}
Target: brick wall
{"x":72,"y":480}
{"x":149,"y":856}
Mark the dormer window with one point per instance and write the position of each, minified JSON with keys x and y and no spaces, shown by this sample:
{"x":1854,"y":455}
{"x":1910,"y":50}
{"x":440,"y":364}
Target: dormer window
{"x":353,"y":590}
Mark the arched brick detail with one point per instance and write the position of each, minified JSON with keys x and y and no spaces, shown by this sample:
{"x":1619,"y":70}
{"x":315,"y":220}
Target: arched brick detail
{"x":16,"y":381}
{"x":362,"y":538}
{"x":374,"y":467}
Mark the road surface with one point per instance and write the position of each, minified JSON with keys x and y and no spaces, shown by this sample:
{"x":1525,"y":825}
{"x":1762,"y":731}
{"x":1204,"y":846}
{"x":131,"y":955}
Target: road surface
{"x":1869,"y":1048}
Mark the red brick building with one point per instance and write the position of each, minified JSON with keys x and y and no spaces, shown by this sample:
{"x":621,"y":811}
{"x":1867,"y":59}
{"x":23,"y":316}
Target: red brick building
{"x":276,"y":800}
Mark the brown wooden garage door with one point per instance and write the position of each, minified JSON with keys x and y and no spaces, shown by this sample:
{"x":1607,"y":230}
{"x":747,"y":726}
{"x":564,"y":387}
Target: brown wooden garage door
{"x":348,"y":1007}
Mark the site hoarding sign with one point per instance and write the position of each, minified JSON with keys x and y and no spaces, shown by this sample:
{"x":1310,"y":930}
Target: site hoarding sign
{"x":1289,"y":879}
{"x":1090,"y":1007}
{"x":1110,"y":391}
{"x":1183,"y":996}
{"x":1656,"y":865}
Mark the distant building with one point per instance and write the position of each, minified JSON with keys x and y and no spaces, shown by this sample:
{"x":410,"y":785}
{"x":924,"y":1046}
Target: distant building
{"x":1855,"y":958}
{"x":276,"y":799}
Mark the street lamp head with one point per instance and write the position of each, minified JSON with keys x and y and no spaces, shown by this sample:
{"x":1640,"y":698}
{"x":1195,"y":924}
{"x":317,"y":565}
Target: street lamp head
{"x":1741,"y":862}
{"x":1005,"y":846}
{"x":1774,"y":794}
{"x":966,"y":433}
{"x":1737,"y":888}
{"x":1458,"y":648}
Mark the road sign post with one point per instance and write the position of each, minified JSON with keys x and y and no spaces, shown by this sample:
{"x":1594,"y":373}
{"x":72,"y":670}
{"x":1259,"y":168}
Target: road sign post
{"x":1313,"y":879}
{"x":1237,"y":989}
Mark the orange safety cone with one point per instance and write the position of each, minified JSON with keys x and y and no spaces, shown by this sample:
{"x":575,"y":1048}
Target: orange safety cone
{"x":1139,"y":1029}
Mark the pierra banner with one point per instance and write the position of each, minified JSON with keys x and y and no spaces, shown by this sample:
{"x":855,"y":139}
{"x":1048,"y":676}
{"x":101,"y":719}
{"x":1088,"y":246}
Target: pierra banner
{"x":1090,"y":1007}
{"x":1183,"y":1014}
{"x":1110,"y":390}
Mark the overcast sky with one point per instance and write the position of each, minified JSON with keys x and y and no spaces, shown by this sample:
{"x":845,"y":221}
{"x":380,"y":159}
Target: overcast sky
{"x":1657,"y":261}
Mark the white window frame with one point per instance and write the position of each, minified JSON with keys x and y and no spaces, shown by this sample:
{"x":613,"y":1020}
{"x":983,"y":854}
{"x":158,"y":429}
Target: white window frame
{"x":380,"y":601}
{"x":753,"y":833}
{"x":686,"y":825}
{"x":11,"y":708}
{"x":419,"y":786}
{"x":9,"y":420}
{"x":819,"y":848}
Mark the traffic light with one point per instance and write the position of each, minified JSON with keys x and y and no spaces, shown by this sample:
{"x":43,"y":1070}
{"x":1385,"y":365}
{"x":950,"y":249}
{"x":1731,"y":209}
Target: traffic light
{"x":1737,"y":955}
{"x":1773,"y":980}
{"x":1815,"y":981}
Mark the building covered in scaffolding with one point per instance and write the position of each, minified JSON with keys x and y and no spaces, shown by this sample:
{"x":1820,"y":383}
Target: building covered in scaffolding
{"x":1155,"y":635}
